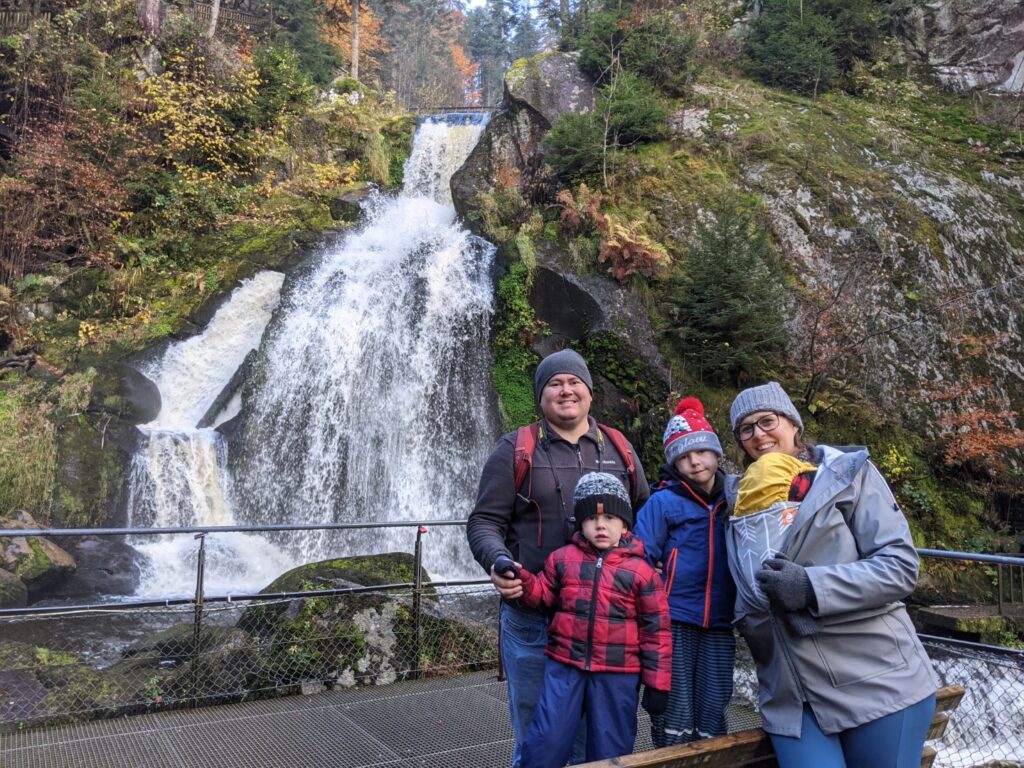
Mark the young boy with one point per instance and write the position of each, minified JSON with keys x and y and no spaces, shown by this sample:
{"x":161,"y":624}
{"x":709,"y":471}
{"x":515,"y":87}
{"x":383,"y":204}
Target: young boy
{"x":609,"y":630}
{"x":683,"y":527}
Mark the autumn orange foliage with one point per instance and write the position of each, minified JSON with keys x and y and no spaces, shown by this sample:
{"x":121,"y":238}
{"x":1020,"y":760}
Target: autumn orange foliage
{"x":60,"y":196}
{"x":980,"y":426}
{"x":338,"y":32}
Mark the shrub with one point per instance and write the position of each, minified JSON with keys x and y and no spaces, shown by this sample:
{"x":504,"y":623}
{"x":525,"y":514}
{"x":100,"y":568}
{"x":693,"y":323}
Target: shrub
{"x":628,"y":112}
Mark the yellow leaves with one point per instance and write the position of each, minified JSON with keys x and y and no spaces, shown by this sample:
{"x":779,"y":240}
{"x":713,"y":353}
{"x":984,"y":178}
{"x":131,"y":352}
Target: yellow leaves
{"x":192,"y":110}
{"x":88,"y":333}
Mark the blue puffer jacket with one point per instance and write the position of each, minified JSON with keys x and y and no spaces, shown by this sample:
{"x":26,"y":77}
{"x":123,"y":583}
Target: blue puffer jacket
{"x":688,"y":536}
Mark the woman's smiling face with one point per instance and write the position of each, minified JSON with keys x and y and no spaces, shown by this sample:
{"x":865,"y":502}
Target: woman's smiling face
{"x":767,"y":437}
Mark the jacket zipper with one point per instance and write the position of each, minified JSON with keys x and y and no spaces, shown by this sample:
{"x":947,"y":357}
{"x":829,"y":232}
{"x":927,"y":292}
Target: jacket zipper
{"x":591,"y":619}
{"x":711,"y":563}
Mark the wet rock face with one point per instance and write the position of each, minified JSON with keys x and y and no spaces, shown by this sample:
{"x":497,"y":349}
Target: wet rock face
{"x":13,"y":593}
{"x":970,"y":43}
{"x":537,"y":91}
{"x":105,"y":567}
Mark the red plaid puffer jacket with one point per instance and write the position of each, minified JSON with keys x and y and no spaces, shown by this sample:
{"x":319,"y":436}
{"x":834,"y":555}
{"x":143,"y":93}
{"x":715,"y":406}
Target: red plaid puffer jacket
{"x":610,"y":610}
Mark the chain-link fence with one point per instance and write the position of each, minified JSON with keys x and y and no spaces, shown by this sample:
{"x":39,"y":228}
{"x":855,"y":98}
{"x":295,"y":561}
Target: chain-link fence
{"x":72,"y":665}
{"x":75,"y":663}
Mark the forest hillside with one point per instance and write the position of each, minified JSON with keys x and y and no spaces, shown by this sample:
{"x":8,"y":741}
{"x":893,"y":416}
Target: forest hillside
{"x":820,"y":192}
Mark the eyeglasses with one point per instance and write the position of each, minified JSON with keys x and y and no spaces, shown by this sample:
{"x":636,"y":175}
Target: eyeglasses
{"x":766,"y":423}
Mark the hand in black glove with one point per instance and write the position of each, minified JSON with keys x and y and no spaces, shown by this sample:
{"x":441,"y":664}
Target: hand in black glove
{"x":786,"y":583}
{"x":505,"y":566}
{"x":800,"y":623}
{"x":654,"y":701}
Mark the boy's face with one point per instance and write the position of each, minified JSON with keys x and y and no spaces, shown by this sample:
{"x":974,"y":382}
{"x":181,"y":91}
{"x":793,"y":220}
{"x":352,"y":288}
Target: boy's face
{"x":603,"y":531}
{"x":699,"y":468}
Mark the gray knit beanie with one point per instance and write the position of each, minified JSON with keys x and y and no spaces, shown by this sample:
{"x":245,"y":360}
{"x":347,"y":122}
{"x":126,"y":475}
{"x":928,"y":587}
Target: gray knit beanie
{"x":564,"y":361}
{"x":596,"y":488}
{"x":767,"y":397}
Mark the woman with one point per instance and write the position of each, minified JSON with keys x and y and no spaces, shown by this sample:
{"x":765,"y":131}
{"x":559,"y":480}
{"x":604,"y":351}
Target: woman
{"x":843,"y":679}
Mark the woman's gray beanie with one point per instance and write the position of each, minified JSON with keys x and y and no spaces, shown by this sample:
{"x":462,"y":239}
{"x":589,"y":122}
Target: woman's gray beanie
{"x":767,"y":397}
{"x":564,"y":361}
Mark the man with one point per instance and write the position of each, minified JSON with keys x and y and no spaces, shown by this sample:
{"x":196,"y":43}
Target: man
{"x":527,"y":523}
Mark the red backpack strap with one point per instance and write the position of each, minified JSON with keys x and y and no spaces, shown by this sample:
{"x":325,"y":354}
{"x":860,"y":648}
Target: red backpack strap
{"x":522,"y":459}
{"x":626,"y":452}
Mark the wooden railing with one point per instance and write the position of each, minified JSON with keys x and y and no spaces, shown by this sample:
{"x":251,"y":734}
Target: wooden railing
{"x":237,"y":20}
{"x":17,"y":19}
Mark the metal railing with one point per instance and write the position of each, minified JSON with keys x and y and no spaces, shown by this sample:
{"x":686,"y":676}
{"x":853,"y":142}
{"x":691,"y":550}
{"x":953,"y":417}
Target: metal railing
{"x":63,"y":663}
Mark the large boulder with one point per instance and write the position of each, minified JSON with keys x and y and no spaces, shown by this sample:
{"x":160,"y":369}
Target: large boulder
{"x":106,"y":566}
{"x":46,"y":685}
{"x":537,"y":91}
{"x":359,"y":637}
{"x":36,"y":561}
{"x":175,"y":665}
{"x":13,"y":592}
{"x":969,"y":43}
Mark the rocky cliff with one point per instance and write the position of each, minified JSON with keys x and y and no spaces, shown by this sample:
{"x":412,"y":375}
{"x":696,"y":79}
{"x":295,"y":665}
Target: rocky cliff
{"x":897,"y":219}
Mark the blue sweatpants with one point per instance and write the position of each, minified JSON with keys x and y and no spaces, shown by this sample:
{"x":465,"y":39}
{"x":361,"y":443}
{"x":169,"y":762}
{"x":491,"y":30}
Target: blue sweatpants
{"x":524,"y":636}
{"x":608,"y":699}
{"x":702,"y":661}
{"x":893,"y":741}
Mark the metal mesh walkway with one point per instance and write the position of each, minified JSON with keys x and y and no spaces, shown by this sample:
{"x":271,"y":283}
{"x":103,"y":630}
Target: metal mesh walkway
{"x":459,"y":721}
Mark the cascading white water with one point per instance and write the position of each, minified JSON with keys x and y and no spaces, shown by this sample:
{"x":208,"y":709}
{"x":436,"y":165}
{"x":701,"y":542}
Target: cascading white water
{"x":988,"y":725}
{"x":179,"y":476}
{"x":373,"y":400}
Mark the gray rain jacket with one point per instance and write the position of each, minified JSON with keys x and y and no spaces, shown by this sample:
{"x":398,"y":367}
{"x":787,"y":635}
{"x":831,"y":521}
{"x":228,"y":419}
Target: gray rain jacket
{"x":865,"y":661}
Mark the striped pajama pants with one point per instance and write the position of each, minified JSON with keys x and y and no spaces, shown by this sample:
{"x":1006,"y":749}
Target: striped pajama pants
{"x":702,"y":662}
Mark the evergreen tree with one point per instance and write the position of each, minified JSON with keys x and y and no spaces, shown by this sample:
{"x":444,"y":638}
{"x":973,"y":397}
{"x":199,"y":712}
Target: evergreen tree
{"x":299,"y":24}
{"x":731,"y":304}
{"x":486,"y":40}
{"x":793,"y":46}
{"x":525,"y":35}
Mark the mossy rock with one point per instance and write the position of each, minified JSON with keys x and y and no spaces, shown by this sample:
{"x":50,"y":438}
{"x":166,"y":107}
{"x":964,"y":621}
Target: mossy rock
{"x":13,"y":593}
{"x":163,"y":671}
{"x":365,"y":638}
{"x":48,"y":686}
{"x":364,"y":570}
{"x":37,"y":562}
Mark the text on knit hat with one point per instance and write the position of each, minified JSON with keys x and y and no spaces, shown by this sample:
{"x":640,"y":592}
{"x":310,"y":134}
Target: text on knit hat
{"x":688,"y":430}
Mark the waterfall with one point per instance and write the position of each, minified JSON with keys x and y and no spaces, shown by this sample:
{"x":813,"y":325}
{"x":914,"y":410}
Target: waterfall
{"x":179,"y":476}
{"x":370,"y":399}
{"x":987,"y":726}
{"x":373,"y":400}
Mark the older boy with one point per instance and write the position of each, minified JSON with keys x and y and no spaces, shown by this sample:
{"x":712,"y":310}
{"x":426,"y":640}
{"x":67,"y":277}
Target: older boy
{"x":683,"y":527}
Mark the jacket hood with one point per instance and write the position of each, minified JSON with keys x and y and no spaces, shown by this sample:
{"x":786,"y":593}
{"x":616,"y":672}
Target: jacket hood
{"x":837,"y":466}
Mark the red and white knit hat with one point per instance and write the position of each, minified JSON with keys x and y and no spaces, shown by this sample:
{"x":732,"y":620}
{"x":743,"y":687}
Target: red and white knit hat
{"x":688,"y":430}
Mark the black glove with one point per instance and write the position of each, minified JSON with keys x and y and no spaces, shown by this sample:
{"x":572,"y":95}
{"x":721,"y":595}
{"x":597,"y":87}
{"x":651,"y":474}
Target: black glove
{"x":505,"y":566}
{"x":654,"y":701}
{"x":800,"y":623}
{"x":787,"y":585}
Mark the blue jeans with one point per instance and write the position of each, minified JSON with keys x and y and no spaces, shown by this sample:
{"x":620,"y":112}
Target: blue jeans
{"x":893,"y":741}
{"x":524,"y":635}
